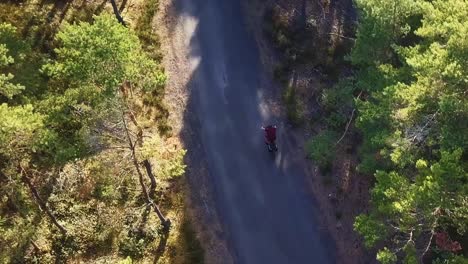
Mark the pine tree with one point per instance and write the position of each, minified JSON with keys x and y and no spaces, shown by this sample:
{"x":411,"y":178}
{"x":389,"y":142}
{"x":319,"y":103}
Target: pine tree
{"x":413,"y":118}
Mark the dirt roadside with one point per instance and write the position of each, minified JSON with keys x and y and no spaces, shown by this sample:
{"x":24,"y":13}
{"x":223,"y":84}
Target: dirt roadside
{"x":343,"y":197}
{"x":172,"y":27}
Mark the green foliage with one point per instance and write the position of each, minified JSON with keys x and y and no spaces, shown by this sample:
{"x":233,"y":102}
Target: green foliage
{"x":339,"y":96}
{"x":385,"y":256}
{"x":144,"y":29}
{"x":293,"y":107}
{"x":16,"y":231}
{"x":128,"y":260}
{"x":381,"y":23}
{"x":7,"y":88}
{"x":169,"y":159}
{"x":104,"y":54}
{"x":336,"y":121}
{"x":444,"y":185}
{"x":134,"y":246}
{"x":451,"y":259}
{"x":17,"y":47}
{"x":196,"y":254}
{"x":60,"y":125}
{"x":21,"y":133}
{"x":410,"y":254}
{"x":135,"y":242}
{"x":412,"y":64}
{"x":321,"y":149}
{"x":95,"y":62}
{"x":372,"y":230}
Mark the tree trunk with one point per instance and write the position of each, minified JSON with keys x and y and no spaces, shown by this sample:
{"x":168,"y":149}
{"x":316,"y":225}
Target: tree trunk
{"x":37,"y":249}
{"x":165,"y":222}
{"x":122,"y":5}
{"x":304,"y":15}
{"x":149,"y":171}
{"x":117,"y":13}
{"x":146,"y":163}
{"x":41,"y":202}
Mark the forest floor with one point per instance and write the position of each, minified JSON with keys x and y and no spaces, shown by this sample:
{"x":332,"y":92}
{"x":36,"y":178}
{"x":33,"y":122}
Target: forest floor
{"x":343,"y":193}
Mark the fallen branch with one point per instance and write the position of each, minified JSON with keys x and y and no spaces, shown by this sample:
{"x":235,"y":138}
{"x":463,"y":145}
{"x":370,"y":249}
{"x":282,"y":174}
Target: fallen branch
{"x":434,"y":225}
{"x":149,"y":172}
{"x":341,"y":36}
{"x":349,"y":122}
{"x":117,"y":13}
{"x":36,"y":247}
{"x":421,"y":131}
{"x":42,"y":204}
{"x":165,"y":222}
{"x":427,"y":247}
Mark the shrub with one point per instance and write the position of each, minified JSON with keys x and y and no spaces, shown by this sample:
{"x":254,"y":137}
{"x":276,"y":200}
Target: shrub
{"x":385,"y":256}
{"x":336,"y":121}
{"x":193,"y":246}
{"x":127,"y":260}
{"x":136,"y":242}
{"x":293,"y":108}
{"x":338,"y":96}
{"x":144,"y":29}
{"x":281,"y":72}
{"x":321,"y":149}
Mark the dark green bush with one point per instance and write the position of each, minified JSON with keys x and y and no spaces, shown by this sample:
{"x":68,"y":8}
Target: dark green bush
{"x":338,"y":96}
{"x":194,"y":247}
{"x":144,"y":29}
{"x":321,"y":149}
{"x":137,"y":239}
{"x":136,"y":243}
{"x":293,"y":108}
{"x":336,"y":121}
{"x":281,"y":73}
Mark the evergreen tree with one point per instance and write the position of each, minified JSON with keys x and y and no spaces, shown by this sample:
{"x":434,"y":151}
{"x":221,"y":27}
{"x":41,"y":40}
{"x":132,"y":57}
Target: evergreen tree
{"x":68,"y":150}
{"x":413,"y":118}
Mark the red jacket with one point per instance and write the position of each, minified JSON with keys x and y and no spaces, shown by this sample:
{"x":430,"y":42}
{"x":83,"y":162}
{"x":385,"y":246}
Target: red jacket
{"x":270,"y":134}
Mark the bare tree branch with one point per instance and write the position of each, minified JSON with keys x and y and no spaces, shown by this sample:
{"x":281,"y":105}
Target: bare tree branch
{"x":349,"y":122}
{"x":42,"y":204}
{"x":117,"y":13}
{"x":165,"y":222}
{"x":433,"y":226}
{"x":342,"y":36}
{"x":427,"y":247}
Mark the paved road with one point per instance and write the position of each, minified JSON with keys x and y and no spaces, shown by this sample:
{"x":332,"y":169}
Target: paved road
{"x":262,"y":199}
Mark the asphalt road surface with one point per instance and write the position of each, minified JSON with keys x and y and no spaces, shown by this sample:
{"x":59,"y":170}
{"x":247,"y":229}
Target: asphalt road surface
{"x":262,"y":199}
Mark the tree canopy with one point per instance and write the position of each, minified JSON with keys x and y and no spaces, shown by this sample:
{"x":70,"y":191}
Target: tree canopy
{"x":412,"y":61}
{"x":75,"y":148}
